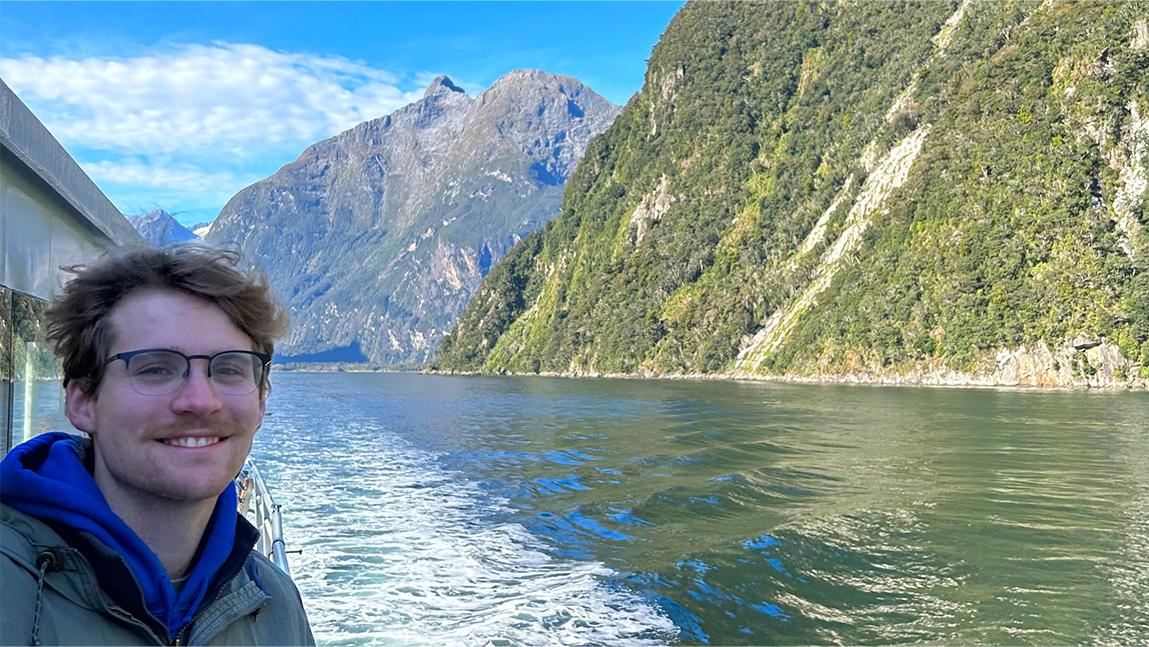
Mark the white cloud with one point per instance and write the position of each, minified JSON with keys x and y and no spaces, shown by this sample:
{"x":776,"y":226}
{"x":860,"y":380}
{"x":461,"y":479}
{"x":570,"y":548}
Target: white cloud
{"x":173,"y":176}
{"x":136,"y":184}
{"x":202,"y":98}
{"x":188,"y":127}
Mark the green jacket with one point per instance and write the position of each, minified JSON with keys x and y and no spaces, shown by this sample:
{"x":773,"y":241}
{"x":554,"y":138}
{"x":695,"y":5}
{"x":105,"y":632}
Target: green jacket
{"x":57,"y":591}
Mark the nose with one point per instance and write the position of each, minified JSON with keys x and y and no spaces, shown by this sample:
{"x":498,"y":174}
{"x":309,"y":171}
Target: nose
{"x":197,"y":394}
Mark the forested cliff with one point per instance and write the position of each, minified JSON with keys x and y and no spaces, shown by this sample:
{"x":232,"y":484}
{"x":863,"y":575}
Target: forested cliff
{"x":923,"y":192}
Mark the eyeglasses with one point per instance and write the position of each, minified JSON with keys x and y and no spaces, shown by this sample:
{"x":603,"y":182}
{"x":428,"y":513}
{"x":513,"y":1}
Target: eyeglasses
{"x":161,"y":371}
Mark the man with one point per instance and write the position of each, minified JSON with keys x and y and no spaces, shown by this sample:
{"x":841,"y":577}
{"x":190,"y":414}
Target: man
{"x":133,"y":536}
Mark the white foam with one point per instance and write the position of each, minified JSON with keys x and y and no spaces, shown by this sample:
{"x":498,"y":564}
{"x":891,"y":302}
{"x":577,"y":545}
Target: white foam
{"x":398,"y":550}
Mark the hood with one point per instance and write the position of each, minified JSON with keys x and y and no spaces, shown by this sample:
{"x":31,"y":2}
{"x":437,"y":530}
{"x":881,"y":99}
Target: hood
{"x":46,"y":477}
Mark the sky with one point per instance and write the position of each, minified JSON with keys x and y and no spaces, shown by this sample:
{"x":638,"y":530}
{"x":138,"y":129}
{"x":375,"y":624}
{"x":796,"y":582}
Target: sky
{"x":179,"y":105}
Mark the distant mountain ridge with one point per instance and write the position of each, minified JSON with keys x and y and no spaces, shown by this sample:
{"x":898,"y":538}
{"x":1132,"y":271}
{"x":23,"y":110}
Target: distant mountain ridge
{"x":937,"y":192}
{"x":158,"y":227}
{"x":376,"y":238}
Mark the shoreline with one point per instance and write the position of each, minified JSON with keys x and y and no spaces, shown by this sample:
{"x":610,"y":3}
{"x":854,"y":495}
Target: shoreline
{"x":850,"y":380}
{"x":951,"y":380}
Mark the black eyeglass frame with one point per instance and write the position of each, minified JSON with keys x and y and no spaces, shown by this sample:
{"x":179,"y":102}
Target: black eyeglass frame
{"x":265,"y":362}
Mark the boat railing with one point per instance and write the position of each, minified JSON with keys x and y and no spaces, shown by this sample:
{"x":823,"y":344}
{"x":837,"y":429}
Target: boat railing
{"x":264,"y":513}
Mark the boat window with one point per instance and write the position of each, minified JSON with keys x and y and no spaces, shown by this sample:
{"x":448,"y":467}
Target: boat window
{"x":33,"y":398}
{"x":5,"y":369}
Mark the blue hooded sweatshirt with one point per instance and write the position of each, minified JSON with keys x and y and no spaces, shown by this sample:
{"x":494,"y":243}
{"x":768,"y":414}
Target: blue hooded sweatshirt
{"x":46,"y":478}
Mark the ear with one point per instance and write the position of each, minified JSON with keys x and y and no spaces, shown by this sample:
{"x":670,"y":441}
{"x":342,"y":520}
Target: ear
{"x":80,"y":407}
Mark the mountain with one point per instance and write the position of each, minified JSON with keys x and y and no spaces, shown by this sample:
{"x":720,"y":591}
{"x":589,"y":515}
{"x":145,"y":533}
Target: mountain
{"x":918,"y":192}
{"x":201,"y":229}
{"x":377,"y":238}
{"x":158,"y":227}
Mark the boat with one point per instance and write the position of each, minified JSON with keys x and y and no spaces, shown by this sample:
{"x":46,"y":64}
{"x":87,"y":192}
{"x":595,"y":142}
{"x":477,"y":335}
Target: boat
{"x":264,"y":513}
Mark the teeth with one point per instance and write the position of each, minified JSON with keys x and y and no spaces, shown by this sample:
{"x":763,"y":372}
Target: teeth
{"x":191,"y":441}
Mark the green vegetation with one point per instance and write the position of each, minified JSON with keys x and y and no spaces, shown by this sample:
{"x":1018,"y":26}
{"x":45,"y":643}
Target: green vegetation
{"x":24,"y":348}
{"x":682,"y":230}
{"x":1006,"y":233}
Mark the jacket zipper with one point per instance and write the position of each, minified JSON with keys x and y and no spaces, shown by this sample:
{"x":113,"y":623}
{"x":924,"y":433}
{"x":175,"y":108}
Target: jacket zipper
{"x":185,"y":631}
{"x":109,"y":606}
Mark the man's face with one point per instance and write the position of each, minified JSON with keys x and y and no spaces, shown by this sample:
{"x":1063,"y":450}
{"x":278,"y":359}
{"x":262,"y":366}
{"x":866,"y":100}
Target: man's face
{"x":184,"y":447}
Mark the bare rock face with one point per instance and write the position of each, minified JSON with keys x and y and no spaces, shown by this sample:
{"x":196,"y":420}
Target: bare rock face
{"x":376,"y":238}
{"x":1080,"y":362}
{"x":1084,"y":342}
{"x":158,"y":227}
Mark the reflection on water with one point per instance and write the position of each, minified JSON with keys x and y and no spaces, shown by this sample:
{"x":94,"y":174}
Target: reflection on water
{"x":541,"y":511}
{"x":31,"y":398}
{"x":37,"y":407}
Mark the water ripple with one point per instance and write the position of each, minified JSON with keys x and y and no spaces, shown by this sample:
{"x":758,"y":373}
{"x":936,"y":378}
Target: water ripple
{"x":397,"y":550}
{"x":538,"y":511}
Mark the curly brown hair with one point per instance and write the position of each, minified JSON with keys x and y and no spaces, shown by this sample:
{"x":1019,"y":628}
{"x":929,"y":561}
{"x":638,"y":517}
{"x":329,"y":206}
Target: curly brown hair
{"x":78,"y":322}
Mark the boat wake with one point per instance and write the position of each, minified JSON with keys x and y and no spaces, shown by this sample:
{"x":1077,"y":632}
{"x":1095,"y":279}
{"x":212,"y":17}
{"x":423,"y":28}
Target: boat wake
{"x":399,"y":550}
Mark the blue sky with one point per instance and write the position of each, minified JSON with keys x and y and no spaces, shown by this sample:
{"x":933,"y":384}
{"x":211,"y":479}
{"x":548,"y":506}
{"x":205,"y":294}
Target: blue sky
{"x":179,"y":105}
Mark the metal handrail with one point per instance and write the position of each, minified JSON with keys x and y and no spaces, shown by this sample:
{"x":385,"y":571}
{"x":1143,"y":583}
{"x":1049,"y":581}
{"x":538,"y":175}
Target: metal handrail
{"x":264,"y":513}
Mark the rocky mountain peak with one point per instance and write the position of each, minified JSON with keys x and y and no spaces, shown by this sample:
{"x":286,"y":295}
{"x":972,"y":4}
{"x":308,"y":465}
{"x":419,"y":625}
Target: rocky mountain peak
{"x":524,"y":74}
{"x":152,"y":215}
{"x":518,"y":82}
{"x":160,"y":228}
{"x":441,"y":84}
{"x":376,"y":238}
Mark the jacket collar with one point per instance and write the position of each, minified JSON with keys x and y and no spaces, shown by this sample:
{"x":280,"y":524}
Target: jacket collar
{"x":48,"y":478}
{"x":90,"y":575}
{"x":119,"y":583}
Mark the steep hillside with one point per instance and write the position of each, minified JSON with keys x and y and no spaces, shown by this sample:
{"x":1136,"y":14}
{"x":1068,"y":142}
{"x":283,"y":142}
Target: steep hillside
{"x":894,"y":192}
{"x":376,"y":238}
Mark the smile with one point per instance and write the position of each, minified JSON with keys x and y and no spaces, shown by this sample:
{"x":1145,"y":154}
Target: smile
{"x":191,"y":441}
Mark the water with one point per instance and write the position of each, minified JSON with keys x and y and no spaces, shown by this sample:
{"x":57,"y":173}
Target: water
{"x":535,"y":511}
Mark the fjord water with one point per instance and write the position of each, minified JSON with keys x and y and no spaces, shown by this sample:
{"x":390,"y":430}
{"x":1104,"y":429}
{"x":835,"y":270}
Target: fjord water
{"x":536,"y":511}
